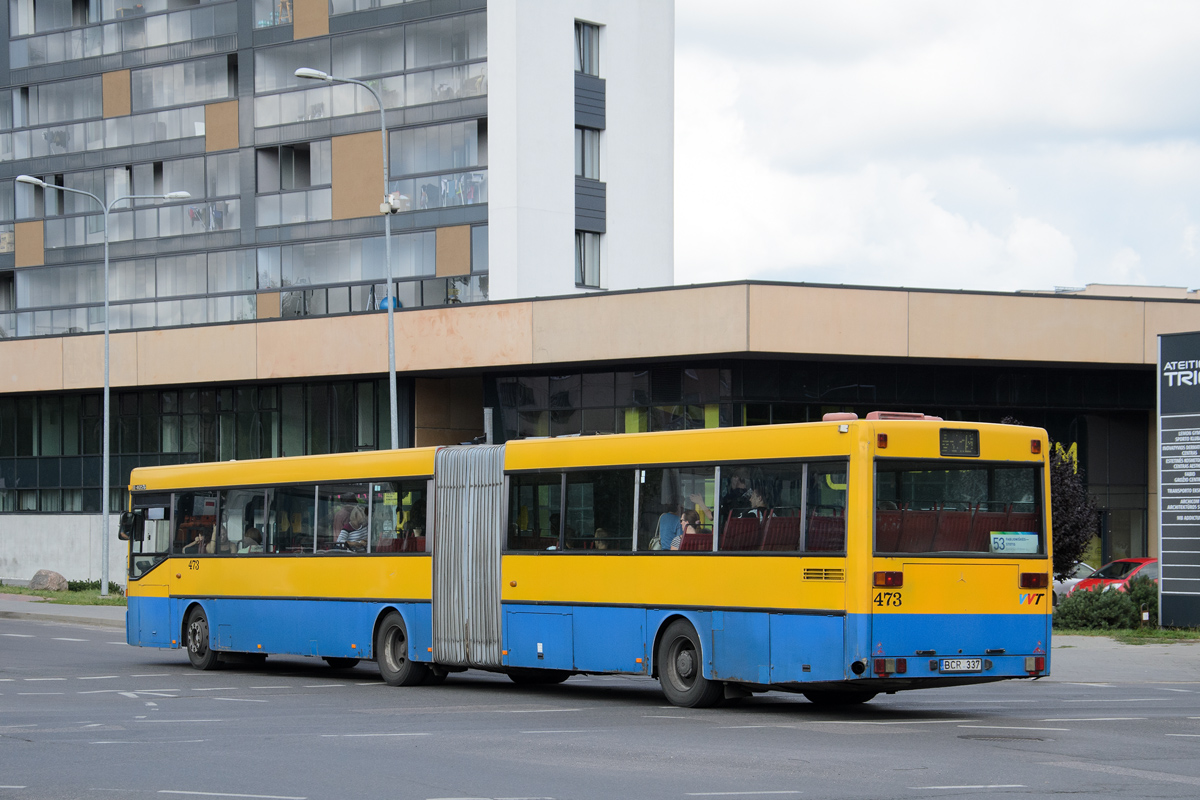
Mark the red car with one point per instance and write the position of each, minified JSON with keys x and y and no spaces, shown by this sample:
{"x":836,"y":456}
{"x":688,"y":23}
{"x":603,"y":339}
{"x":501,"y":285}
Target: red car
{"x":1114,"y":574}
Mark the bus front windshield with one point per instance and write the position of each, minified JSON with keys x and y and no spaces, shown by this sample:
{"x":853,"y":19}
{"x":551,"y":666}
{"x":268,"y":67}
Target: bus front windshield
{"x":935,"y":507}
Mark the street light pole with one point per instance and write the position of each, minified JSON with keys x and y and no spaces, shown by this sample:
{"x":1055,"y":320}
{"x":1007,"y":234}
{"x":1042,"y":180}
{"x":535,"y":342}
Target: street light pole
{"x":388,"y":209}
{"x":106,"y":425}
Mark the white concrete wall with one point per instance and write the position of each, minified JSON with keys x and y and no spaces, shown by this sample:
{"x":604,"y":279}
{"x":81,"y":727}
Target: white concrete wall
{"x":69,"y":544}
{"x":531,"y":157}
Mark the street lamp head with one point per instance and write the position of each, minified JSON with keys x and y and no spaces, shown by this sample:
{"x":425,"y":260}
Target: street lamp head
{"x":315,"y":74}
{"x":177,"y":196}
{"x":32,"y":181}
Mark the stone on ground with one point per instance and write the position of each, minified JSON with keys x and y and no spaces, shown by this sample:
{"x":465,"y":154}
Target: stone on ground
{"x":48,"y":580}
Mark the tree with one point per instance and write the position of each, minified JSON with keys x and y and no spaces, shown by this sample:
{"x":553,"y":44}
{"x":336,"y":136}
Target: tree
{"x":1073,"y":512}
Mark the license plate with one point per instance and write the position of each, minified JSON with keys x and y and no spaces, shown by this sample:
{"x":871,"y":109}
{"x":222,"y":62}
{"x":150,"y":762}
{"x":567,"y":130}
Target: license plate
{"x":962,"y":665}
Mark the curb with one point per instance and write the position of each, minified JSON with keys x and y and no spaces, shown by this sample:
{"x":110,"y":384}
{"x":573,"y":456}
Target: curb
{"x":65,"y":619}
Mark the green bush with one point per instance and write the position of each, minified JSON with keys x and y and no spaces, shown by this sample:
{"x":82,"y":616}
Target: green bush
{"x":1144,"y":592}
{"x":1096,"y":610}
{"x":94,"y":586}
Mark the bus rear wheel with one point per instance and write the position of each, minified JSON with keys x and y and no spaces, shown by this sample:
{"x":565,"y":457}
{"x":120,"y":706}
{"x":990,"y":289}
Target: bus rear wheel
{"x":391,"y":653}
{"x":197,"y":633}
{"x":680,"y":669}
{"x":836,"y":698}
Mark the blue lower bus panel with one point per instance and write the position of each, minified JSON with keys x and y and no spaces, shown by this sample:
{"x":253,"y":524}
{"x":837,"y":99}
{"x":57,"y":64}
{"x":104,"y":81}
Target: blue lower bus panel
{"x":1004,"y":639}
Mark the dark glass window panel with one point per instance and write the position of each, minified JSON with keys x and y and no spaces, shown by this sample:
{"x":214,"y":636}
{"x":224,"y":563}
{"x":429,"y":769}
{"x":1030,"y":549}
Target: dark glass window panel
{"x":564,"y":391}
{"x":533,"y":423}
{"x":8,"y":427}
{"x":126,"y":435}
{"x":50,"y":426}
{"x":1030,"y":389}
{"x":71,"y":419}
{"x":227,"y":442}
{"x":533,"y":392}
{"x":225,"y":400}
{"x":71,"y":472}
{"x":668,"y":418}
{"x":565,"y":423}
{"x":189,"y":433}
{"x":127,"y":404}
{"x":247,"y":442}
{"x":599,"y":510}
{"x":597,"y":389}
{"x":758,"y":414}
{"x":838,"y":384}
{"x":91,"y":468}
{"x":27,"y":473}
{"x":8,"y":472}
{"x":316,"y":434}
{"x":599,"y":420}
{"x":666,"y":384}
{"x":245,"y":398}
{"x":48,"y":472}
{"x":915,"y":386}
{"x":508,"y":422}
{"x":632,"y":388}
{"x":208,"y":437}
{"x":760,"y":381}
{"x":189,"y":401}
{"x":783,"y":413}
{"x":342,"y":428}
{"x":267,"y":397}
{"x":90,"y":501}
{"x":25,"y":426}
{"x":208,"y":402}
{"x":701,"y":385}
{"x":365,"y":421}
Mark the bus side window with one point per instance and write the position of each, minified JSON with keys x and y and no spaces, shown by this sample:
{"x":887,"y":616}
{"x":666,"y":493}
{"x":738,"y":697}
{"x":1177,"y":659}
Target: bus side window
{"x":289,"y":520}
{"x":825,"y":523}
{"x":195,"y":517}
{"x":535,"y":511}
{"x":665,"y":494}
{"x":599,"y":510}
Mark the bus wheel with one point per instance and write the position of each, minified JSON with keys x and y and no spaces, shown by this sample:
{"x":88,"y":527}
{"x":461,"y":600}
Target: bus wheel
{"x":536,"y":677}
{"x":680,"y":669}
{"x":391,"y":652}
{"x":836,"y":698}
{"x":199,"y":653}
{"x":339,"y":662}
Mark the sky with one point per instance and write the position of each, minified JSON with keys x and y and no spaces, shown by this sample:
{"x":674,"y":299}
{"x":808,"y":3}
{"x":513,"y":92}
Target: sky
{"x":938,"y":143}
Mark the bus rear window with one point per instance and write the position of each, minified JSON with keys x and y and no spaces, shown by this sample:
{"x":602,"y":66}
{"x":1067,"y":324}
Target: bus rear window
{"x":949,"y":508}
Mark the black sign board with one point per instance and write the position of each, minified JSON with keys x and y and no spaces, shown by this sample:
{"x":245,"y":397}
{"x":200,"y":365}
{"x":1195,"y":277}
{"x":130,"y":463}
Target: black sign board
{"x":1179,"y":478}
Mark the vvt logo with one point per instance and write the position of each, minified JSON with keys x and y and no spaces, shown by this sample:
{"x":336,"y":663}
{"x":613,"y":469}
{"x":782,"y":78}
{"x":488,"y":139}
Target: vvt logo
{"x":1030,"y":599}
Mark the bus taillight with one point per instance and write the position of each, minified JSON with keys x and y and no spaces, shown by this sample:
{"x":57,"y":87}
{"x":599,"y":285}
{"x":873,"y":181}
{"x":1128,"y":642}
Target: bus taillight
{"x":889,"y":578}
{"x":1034,"y":580}
{"x":889,"y":666}
{"x":1032,"y":664}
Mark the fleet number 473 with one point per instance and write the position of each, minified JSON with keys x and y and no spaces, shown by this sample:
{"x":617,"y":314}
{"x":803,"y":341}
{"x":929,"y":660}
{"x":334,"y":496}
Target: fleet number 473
{"x":884,"y":599}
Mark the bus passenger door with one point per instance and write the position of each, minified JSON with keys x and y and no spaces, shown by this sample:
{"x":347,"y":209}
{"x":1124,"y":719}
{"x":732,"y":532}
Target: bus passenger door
{"x":468,"y":526}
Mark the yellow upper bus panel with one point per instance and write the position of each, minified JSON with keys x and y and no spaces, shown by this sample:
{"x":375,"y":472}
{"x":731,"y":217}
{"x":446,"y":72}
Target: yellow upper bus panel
{"x":922,"y":439}
{"x":375,"y":464}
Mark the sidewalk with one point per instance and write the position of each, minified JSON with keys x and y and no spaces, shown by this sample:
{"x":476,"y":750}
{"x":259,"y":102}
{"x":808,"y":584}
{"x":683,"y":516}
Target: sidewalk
{"x":21,"y":606}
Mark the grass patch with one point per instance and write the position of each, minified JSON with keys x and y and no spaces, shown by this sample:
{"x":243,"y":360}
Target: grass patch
{"x":1137,"y":635}
{"x":72,"y":597}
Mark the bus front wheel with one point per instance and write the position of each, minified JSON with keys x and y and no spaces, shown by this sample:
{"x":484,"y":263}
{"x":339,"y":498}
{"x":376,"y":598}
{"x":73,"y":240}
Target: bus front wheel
{"x":680,"y":669}
{"x":391,"y":652}
{"x":199,"y":653}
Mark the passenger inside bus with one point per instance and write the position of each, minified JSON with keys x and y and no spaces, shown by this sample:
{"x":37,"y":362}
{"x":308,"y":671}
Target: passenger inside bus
{"x":251,"y":541}
{"x":353,"y":535}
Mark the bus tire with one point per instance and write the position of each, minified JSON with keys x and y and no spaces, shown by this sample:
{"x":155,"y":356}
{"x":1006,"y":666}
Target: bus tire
{"x":538,"y":677}
{"x":197,"y":633}
{"x":341,"y":662}
{"x":680,"y":669}
{"x":391,"y":653}
{"x":836,"y":698}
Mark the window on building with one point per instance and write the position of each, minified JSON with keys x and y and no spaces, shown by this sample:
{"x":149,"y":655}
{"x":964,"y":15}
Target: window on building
{"x":587,"y":153}
{"x":294,"y":166}
{"x":436,"y":148}
{"x":587,"y":259}
{"x":587,"y":48}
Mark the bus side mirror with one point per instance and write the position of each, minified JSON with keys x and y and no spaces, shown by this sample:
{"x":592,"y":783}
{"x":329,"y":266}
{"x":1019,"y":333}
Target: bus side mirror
{"x":132,"y":523}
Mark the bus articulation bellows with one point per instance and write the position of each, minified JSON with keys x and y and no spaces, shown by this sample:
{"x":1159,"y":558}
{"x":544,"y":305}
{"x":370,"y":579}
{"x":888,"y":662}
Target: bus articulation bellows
{"x":839,"y":559}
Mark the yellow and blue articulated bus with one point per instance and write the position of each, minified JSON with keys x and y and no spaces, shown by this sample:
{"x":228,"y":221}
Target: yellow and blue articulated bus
{"x":839,"y":559}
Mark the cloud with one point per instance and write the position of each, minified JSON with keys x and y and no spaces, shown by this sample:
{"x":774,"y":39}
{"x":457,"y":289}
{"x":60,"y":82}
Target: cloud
{"x":958,"y":145}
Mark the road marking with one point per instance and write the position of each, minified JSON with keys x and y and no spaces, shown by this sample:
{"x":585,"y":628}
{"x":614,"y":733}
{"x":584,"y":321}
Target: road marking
{"x":580,"y":731}
{"x":536,"y":710}
{"x":1166,"y":777}
{"x":27,"y":725}
{"x":44,"y":679}
{"x":1012,"y":728}
{"x":1118,"y":700}
{"x":143,"y":719}
{"x":150,"y":674}
{"x":169,"y":741}
{"x":96,"y":677}
{"x":215,"y":689}
{"x":324,"y":686}
{"x":239,"y":699}
{"x":1102,"y":685}
{"x":66,"y":639}
{"x":740,"y":794}
{"x":116,"y":642}
{"x":662,"y":716}
{"x":369,"y":683}
{"x":980,"y":786}
{"x":13,"y":787}
{"x":18,"y":636}
{"x":1095,"y":719}
{"x":1192,"y":735}
{"x":33,"y":694}
{"x":268,"y":687}
{"x":1189,"y":691}
{"x":231,"y":794}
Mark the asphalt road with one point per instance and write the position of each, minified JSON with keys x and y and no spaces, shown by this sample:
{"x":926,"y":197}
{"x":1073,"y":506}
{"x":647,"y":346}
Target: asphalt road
{"x":82,"y":715}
